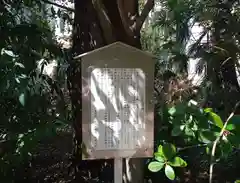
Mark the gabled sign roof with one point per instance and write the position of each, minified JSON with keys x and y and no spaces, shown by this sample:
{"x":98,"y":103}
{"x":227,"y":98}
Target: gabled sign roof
{"x":117,"y":45}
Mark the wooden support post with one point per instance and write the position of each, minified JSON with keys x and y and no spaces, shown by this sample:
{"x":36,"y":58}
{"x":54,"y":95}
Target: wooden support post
{"x":118,"y":169}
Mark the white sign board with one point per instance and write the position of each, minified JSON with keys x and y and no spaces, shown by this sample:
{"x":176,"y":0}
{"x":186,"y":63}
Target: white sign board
{"x":117,"y":108}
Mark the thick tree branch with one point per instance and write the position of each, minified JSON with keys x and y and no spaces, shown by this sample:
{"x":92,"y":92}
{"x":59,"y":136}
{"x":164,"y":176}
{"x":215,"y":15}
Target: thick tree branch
{"x":146,"y":9}
{"x":57,"y":5}
{"x":104,"y":20}
{"x":124,"y":18}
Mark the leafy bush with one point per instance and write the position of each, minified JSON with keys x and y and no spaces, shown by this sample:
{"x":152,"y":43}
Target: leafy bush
{"x":195,"y":127}
{"x":30,"y":102}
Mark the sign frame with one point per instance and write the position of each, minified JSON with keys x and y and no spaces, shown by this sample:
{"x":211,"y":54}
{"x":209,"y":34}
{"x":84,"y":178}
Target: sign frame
{"x":117,"y":55}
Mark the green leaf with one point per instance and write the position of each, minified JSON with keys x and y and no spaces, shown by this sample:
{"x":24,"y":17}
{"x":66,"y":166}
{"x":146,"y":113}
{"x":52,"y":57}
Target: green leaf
{"x":172,"y":111}
{"x":207,"y":110}
{"x":189,"y":132}
{"x":178,"y":109}
{"x":216,"y":119}
{"x":178,"y":162}
{"x":160,"y":148}
{"x":207,"y":136}
{"x":234,"y":124}
{"x":20,"y":136}
{"x":169,"y":151}
{"x":160,"y":159}
{"x":22,"y":99}
{"x":195,"y":127}
{"x":234,"y":140}
{"x":237,"y":181}
{"x":169,"y":172}
{"x":159,"y":154}
{"x":207,"y":150}
{"x":155,"y":166}
{"x":230,"y":127}
{"x":193,"y":102}
{"x":177,"y":130}
{"x":156,"y":154}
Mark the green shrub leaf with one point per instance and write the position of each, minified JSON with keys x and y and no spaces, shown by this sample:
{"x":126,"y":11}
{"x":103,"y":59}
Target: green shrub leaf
{"x":207,"y":110}
{"x":160,"y":149}
{"x":172,"y":111}
{"x":230,"y":127}
{"x":178,"y":162}
{"x":177,"y":130}
{"x":207,"y":136}
{"x":160,"y":159}
{"x":169,"y":151}
{"x":155,"y":166}
{"x":216,"y":119}
{"x":169,"y":172}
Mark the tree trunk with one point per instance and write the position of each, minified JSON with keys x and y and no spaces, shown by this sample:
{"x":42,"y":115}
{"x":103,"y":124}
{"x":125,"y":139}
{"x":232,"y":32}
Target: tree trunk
{"x":98,"y":23}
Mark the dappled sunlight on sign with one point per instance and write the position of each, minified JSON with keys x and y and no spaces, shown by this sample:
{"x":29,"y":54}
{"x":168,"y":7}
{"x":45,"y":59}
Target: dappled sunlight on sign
{"x":117,"y":108}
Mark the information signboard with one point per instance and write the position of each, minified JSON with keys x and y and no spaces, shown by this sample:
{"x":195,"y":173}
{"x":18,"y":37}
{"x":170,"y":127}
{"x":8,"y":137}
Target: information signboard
{"x":117,"y":106}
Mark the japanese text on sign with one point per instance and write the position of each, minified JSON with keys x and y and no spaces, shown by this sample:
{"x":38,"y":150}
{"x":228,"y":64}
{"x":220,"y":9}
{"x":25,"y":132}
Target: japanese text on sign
{"x":117,"y":108}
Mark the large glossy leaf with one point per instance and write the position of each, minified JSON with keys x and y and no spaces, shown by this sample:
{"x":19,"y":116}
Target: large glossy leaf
{"x":207,"y":136}
{"x":230,"y":127}
{"x":234,"y":124}
{"x":178,"y":162}
{"x":177,"y":130}
{"x":160,"y":159}
{"x":169,"y":151}
{"x":169,"y":172}
{"x":216,"y":119}
{"x":155,"y":166}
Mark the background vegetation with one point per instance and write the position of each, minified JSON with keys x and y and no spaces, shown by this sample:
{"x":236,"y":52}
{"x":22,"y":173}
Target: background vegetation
{"x":196,"y":126}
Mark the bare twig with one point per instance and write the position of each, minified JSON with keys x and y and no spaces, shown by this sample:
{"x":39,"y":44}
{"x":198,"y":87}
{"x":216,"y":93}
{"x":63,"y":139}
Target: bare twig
{"x":225,"y":61}
{"x":216,"y":142}
{"x":191,"y":147}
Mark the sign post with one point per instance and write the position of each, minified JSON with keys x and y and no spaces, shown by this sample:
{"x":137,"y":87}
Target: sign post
{"x":117,"y":107}
{"x":118,"y":166}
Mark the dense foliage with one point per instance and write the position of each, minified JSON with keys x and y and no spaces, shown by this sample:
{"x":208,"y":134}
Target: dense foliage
{"x":193,"y":127}
{"x":33,"y":104}
{"x":216,"y":47}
